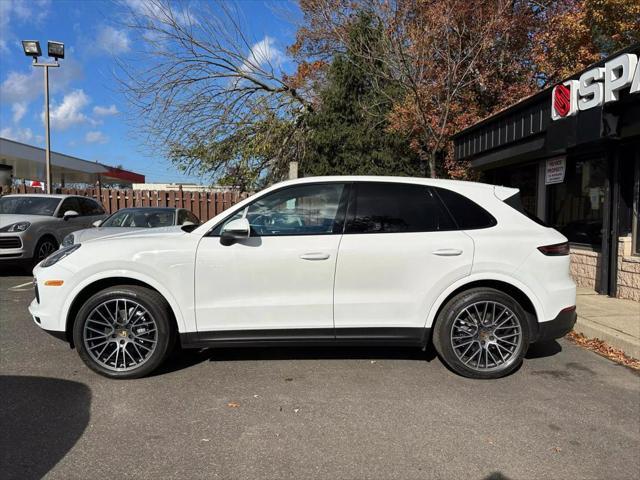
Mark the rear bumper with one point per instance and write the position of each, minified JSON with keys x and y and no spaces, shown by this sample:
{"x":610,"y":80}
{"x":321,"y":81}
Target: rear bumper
{"x":558,"y":327}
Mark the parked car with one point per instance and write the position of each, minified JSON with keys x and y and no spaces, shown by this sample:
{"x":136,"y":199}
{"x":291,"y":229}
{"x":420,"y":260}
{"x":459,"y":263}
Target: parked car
{"x":326,"y":260}
{"x":130,"y":219}
{"x":33,"y":225}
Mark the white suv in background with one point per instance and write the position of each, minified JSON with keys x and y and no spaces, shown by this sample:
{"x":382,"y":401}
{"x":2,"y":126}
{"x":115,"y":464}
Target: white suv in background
{"x":325,"y":260}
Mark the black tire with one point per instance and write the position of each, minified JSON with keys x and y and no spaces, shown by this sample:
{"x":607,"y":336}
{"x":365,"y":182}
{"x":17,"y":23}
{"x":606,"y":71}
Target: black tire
{"x":45,"y":244}
{"x":154,"y":309}
{"x":455,"y":312}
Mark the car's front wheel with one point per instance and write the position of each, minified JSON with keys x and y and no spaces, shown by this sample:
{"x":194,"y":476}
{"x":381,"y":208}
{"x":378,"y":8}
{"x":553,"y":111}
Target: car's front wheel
{"x":482,"y":333}
{"x":124,"y":331}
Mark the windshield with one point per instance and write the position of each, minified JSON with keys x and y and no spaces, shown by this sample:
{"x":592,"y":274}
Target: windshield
{"x":28,"y":205}
{"x":141,"y":218}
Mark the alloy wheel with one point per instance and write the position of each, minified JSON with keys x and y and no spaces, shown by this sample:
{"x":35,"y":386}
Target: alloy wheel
{"x":120,"y":334}
{"x":486,"y":336}
{"x":46,"y":248}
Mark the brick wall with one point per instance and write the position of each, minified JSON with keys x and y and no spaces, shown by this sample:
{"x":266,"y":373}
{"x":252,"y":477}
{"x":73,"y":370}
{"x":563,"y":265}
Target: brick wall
{"x":585,"y":266}
{"x":628,"y":271}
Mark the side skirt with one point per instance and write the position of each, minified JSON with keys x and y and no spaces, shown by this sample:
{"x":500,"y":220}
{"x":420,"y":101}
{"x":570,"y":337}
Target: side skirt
{"x":306,"y":336}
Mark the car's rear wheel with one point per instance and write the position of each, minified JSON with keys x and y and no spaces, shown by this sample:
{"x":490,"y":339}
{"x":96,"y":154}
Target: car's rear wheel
{"x":482,"y":333}
{"x":124,"y":332}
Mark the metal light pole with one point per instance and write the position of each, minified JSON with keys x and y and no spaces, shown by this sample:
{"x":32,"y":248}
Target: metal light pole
{"x":55,"y":50}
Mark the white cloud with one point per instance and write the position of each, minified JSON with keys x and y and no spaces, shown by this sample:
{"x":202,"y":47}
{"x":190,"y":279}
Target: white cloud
{"x":105,"y":111}
{"x":263,"y":53}
{"x":69,"y":112}
{"x":24,"y":135}
{"x":95,"y":137}
{"x":3,"y":46}
{"x":112,"y":40}
{"x":18,"y":109}
{"x":156,"y":11}
{"x":26,"y":87}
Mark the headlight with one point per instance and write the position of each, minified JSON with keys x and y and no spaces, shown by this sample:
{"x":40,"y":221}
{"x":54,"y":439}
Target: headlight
{"x":16,"y":227}
{"x":68,"y":240}
{"x":59,"y":255}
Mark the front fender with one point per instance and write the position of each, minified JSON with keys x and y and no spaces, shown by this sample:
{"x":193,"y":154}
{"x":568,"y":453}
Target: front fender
{"x":182,"y":322}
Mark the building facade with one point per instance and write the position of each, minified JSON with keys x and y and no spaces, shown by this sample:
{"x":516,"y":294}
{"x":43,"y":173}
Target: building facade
{"x":574,"y":152}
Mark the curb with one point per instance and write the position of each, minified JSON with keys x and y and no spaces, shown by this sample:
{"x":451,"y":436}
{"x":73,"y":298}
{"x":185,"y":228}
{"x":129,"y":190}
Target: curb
{"x":629,"y":344}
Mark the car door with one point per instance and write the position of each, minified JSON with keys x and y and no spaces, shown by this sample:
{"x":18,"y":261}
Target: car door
{"x":400,"y":250}
{"x":71,"y":224}
{"x":282,"y":276}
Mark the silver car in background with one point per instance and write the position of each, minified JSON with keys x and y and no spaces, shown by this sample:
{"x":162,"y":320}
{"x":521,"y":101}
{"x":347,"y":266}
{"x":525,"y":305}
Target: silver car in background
{"x":33,"y":225}
{"x":131,"y":219}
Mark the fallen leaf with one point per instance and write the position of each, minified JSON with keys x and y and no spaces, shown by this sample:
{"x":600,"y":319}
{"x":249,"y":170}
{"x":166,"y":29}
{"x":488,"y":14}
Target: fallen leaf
{"x":288,"y":379}
{"x":256,"y":396}
{"x":602,"y":348}
{"x":557,"y":449}
{"x":373,"y":361}
{"x":296,"y":410}
{"x":233,"y":405}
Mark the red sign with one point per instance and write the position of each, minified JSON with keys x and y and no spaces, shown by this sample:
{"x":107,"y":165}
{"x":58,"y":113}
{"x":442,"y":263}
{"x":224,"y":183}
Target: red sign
{"x":562,"y":100}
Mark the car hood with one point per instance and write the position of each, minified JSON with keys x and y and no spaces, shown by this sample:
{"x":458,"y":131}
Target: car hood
{"x":9,"y":219}
{"x":109,"y":233}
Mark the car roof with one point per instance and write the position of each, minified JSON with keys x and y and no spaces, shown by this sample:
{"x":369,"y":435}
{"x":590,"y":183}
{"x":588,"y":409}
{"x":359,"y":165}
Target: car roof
{"x":146,"y":207}
{"x":43,"y":195}
{"x":442,"y":182}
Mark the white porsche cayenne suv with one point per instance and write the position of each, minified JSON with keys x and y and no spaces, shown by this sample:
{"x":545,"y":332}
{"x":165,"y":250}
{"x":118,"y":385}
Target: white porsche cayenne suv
{"x":325,"y":260}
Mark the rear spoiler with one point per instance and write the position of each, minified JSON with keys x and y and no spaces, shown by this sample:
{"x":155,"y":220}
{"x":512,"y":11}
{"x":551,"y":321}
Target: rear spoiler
{"x":502,"y":193}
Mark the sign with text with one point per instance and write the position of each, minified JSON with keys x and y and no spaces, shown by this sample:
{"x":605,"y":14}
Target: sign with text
{"x":554,"y":173}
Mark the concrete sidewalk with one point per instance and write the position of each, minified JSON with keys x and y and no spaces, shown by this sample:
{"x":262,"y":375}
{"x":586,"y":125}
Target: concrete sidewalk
{"x":612,"y":320}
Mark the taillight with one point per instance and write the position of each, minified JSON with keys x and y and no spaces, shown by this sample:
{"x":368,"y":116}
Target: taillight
{"x":555,"y":250}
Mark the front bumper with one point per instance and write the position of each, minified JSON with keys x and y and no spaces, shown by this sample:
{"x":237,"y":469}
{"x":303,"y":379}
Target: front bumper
{"x":558,"y":327}
{"x":15,"y":246}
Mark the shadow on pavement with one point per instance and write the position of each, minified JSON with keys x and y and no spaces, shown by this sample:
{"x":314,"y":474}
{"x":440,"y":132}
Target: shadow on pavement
{"x":12,"y":269}
{"x":41,"y":420}
{"x":188,"y":358}
{"x":543,"y":349}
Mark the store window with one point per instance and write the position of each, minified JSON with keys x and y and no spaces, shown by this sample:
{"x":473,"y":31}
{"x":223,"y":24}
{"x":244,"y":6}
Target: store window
{"x":576,"y":206}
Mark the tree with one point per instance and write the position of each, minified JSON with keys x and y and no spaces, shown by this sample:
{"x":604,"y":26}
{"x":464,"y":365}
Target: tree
{"x":348,"y":133}
{"x":209,"y":98}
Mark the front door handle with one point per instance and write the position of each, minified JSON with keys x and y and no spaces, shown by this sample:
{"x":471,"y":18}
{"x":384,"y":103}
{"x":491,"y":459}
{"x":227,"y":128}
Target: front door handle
{"x":315,"y":256}
{"x":447,"y":252}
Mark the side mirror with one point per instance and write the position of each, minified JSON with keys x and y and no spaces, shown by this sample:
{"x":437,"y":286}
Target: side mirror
{"x":97,"y":223}
{"x":234,"y":231}
{"x":70,"y":214}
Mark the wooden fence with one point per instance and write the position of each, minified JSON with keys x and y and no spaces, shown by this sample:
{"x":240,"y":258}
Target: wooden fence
{"x":204,"y":205}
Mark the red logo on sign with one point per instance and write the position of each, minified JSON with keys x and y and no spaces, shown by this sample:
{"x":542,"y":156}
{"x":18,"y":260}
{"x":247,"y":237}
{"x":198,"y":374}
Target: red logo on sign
{"x":562,"y":100}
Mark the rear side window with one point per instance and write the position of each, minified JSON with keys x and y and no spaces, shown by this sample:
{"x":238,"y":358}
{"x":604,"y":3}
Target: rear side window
{"x":466,"y":213}
{"x":395,"y":207}
{"x":515,"y":202}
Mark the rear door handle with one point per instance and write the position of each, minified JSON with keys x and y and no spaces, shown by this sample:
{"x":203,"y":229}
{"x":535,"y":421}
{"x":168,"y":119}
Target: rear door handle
{"x":447,"y":252}
{"x":315,"y":256}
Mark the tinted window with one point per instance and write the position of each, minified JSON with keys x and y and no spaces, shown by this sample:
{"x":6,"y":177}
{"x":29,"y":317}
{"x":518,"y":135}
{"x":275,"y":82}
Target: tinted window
{"x":90,"y":207}
{"x":141,"y":218}
{"x":182,"y":216}
{"x":28,"y":205}
{"x":70,"y":204}
{"x":396,"y":207}
{"x":192,"y":218}
{"x":301,"y":210}
{"x":467,"y":214}
{"x":515,"y":202}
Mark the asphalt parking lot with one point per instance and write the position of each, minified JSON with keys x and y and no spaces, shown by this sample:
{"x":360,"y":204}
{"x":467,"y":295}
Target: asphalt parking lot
{"x":353,"y":413}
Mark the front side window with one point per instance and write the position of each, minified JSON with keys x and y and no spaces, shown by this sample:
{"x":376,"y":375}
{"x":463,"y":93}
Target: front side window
{"x":90,"y":207}
{"x":312,"y":209}
{"x":141,"y":218}
{"x":28,"y":205}
{"x":70,"y":204}
{"x":394,"y":208}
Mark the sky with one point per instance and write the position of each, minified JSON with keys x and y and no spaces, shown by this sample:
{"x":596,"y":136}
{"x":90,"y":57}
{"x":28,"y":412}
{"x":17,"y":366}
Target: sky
{"x":90,"y":117}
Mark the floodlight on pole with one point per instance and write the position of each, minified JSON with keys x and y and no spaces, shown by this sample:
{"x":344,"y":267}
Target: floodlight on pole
{"x":55,"y":50}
